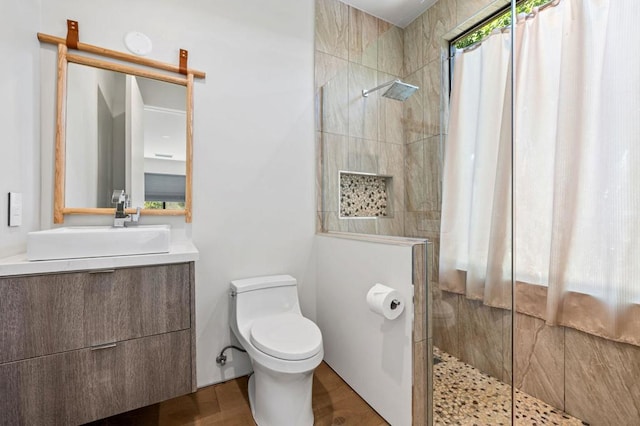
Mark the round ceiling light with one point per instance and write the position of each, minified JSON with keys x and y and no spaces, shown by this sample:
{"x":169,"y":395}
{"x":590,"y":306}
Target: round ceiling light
{"x":138,"y":43}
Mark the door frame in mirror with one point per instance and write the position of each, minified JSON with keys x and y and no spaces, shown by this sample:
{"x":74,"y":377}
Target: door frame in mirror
{"x":185,"y":78}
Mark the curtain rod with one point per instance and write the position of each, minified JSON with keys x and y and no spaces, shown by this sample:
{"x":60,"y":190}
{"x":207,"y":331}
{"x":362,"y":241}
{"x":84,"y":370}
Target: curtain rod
{"x":530,"y":15}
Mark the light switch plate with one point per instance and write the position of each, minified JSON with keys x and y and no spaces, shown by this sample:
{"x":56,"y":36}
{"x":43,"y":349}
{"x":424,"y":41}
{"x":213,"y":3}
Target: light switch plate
{"x":15,"y":209}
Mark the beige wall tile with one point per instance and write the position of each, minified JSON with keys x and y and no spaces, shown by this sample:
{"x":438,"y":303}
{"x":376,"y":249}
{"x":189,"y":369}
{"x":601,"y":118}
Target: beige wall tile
{"x":363,"y":156}
{"x":429,"y":289}
{"x":431,"y":92}
{"x":481,"y":331}
{"x":432,"y":175}
{"x":602,"y":386}
{"x":465,"y":9}
{"x":363,"y":38}
{"x":335,"y":154}
{"x":363,"y":111}
{"x":332,"y":76}
{"x":429,"y":225}
{"x":413,"y":110}
{"x":413,"y":59}
{"x":411,"y":224}
{"x":328,"y":68}
{"x":420,"y":357}
{"x":446,"y":320}
{"x":507,"y":345}
{"x":390,"y":48}
{"x":438,"y":20}
{"x":433,"y":215}
{"x":333,"y":223}
{"x":429,"y":306}
{"x":420,"y":294}
{"x":415,"y":180}
{"x":332,"y":21}
{"x":424,"y":224}
{"x":539,"y":360}
{"x":362,"y":226}
{"x":390,"y":114}
{"x":391,"y":163}
{"x":422,"y":182}
{"x":391,"y":225}
{"x":435,"y":258}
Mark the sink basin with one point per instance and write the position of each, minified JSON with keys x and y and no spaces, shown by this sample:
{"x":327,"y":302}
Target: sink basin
{"x":97,"y":241}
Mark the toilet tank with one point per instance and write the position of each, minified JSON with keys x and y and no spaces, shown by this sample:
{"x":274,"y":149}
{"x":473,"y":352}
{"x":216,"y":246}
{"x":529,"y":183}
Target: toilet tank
{"x":263,"y":296}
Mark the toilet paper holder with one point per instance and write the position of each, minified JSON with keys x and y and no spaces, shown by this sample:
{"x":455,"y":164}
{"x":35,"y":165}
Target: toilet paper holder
{"x":385,"y":301}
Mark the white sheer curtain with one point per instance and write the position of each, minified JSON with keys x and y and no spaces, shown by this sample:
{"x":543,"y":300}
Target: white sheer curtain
{"x":577,"y":170}
{"x":471,"y":166}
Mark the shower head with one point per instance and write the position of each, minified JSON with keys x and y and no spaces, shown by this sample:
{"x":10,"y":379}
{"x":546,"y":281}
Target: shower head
{"x":399,"y":90}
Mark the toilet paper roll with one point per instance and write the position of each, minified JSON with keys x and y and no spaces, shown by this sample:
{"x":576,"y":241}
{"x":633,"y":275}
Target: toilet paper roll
{"x":385,"y":301}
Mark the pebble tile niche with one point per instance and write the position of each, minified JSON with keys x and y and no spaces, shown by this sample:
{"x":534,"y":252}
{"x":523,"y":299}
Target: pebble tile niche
{"x":364,"y":196}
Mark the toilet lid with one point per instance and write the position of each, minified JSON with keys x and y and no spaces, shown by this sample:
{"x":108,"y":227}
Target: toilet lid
{"x":286,"y":336}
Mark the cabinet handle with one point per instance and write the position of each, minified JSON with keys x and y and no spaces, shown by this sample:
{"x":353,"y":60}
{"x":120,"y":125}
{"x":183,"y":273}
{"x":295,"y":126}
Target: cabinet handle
{"x":105,"y":346}
{"x":103,"y":271}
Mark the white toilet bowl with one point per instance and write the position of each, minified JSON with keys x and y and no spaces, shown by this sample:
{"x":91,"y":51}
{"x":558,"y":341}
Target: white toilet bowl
{"x":284,"y":348}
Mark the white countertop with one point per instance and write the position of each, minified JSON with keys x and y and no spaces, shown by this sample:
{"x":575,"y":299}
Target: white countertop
{"x":179,"y":251}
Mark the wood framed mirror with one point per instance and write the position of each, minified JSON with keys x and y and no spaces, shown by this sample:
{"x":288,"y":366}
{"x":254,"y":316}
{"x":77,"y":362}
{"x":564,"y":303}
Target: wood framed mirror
{"x":121,"y":127}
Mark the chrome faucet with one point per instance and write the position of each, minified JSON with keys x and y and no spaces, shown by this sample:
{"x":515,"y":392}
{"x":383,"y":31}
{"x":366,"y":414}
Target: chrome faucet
{"x":121,"y":200}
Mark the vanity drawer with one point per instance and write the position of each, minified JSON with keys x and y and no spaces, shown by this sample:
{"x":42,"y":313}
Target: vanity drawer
{"x":47,"y":314}
{"x":124,"y":304}
{"x":41,"y":314}
{"x":88,"y":384}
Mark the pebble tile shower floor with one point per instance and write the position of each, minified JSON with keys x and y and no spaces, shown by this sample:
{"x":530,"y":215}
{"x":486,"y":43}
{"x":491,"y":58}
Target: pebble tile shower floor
{"x":464,"y":396}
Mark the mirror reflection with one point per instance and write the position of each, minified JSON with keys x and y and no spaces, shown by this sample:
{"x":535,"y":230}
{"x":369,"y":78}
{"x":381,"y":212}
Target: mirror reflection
{"x":124,"y":132}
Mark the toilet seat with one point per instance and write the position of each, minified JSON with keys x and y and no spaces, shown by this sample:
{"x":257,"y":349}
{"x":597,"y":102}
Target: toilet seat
{"x":286,"y":336}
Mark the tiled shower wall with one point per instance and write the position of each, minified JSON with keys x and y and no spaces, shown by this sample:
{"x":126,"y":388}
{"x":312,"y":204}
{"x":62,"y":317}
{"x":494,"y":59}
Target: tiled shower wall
{"x":356,"y":51}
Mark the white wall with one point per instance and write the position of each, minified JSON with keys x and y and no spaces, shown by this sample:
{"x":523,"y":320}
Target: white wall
{"x":19,"y":119}
{"x":81,"y":183}
{"x":134,"y":142}
{"x":371,"y":353}
{"x":254,"y":168}
{"x":84,"y":156}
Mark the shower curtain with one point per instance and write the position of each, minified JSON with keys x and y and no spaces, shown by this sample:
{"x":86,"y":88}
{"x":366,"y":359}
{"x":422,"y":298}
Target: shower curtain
{"x":576,"y":170}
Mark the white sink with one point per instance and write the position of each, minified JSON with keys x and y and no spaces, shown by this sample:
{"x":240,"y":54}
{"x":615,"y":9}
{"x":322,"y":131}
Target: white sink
{"x":97,"y":241}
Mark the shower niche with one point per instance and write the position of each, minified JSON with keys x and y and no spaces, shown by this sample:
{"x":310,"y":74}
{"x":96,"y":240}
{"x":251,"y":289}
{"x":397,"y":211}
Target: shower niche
{"x":365,"y":195}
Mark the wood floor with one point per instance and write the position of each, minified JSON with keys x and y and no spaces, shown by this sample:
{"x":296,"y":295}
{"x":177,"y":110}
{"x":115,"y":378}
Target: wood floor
{"x":334,"y":403}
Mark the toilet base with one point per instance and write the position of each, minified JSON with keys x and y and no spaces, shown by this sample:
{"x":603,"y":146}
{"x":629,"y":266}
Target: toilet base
{"x":280,"y":399}
{"x":252,"y":392}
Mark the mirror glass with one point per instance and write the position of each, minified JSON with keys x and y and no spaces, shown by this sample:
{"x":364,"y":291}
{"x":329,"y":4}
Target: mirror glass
{"x":124,"y":132}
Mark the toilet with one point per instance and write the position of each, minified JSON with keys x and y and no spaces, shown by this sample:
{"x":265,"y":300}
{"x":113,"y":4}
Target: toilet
{"x":284,"y":348}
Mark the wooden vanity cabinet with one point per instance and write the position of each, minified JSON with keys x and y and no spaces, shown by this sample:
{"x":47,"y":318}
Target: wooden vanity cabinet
{"x":77,"y":347}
